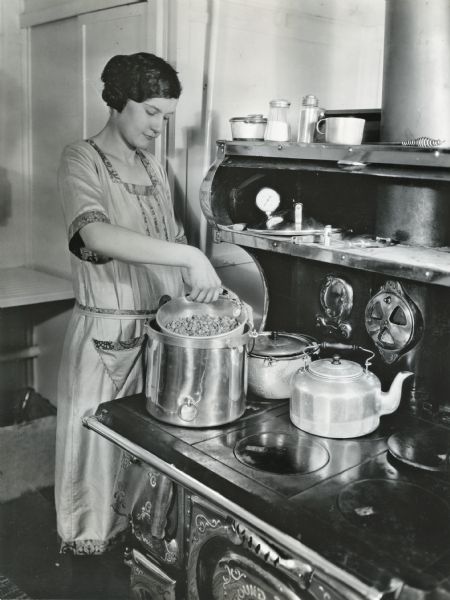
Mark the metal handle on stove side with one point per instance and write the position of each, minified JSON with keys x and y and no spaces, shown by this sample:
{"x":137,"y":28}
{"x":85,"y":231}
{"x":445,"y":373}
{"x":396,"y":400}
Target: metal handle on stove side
{"x":293,"y":567}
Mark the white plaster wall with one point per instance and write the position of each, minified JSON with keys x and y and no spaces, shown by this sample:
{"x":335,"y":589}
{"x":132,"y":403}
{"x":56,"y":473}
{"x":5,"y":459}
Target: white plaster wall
{"x":260,"y":50}
{"x":14,"y":206}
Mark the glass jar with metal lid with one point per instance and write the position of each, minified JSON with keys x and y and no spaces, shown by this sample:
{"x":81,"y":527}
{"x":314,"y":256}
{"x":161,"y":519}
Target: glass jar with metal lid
{"x":278,"y":129}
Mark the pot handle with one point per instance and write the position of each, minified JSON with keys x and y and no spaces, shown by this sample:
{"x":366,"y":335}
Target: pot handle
{"x":243,"y":306}
{"x":233,"y":297}
{"x":339,"y":347}
{"x":238,"y":341}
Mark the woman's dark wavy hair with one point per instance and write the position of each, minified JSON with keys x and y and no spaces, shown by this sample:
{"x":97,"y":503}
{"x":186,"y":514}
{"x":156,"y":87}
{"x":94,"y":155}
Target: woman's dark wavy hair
{"x":138,"y":77}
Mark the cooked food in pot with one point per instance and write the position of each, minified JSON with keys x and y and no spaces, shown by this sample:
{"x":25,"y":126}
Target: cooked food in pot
{"x":202,"y":325}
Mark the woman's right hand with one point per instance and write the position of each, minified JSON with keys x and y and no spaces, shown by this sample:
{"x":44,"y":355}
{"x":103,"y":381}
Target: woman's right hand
{"x":200,"y":276}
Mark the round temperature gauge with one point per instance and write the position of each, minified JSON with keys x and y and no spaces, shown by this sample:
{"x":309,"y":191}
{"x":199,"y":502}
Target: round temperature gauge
{"x":267,"y":200}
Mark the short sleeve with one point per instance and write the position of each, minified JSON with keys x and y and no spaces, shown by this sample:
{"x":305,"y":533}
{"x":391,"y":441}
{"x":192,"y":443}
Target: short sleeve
{"x":82,"y":198}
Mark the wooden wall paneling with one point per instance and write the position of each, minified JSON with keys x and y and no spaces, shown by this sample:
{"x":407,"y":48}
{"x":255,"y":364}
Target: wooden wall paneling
{"x":122,"y":30}
{"x":187,"y":50}
{"x":38,"y":12}
{"x":56,"y":116}
{"x":14,"y":201}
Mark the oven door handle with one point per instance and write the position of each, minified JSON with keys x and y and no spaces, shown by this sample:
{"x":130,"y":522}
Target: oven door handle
{"x":295,"y":568}
{"x":161,"y":506}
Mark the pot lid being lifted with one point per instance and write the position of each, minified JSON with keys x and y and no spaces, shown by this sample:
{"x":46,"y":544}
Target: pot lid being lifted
{"x":276,"y":344}
{"x":335,"y":369}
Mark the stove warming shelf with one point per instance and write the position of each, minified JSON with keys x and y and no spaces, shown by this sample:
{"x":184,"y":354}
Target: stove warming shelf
{"x":425,"y":265}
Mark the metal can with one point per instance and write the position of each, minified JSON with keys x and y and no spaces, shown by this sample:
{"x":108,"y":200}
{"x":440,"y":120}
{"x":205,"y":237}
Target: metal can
{"x":309,"y":114}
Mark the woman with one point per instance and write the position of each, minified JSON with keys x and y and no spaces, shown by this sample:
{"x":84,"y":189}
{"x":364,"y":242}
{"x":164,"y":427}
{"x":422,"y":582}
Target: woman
{"x":125,"y":254}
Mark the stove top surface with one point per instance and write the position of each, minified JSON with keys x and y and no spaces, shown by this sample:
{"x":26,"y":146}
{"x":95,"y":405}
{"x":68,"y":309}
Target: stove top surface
{"x":269,"y":450}
{"x":350,"y":500}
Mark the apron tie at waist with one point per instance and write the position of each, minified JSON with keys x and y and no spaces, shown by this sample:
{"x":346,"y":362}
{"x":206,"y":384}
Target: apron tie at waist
{"x":113,"y":313}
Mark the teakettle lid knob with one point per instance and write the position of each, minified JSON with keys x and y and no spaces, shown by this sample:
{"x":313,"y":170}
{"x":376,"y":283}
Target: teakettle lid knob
{"x":336,"y":360}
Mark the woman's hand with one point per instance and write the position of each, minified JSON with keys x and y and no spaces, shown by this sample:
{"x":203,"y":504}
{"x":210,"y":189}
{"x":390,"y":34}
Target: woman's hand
{"x":200,"y":276}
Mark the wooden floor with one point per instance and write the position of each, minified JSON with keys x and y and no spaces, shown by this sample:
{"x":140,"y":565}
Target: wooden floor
{"x":29,"y":556}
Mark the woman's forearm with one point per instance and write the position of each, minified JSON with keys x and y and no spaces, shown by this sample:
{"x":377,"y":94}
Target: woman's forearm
{"x":123,"y":244}
{"x":126,"y":245}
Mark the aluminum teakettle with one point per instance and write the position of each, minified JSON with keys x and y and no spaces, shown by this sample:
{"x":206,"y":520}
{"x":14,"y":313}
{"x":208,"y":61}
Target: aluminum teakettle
{"x":337,"y":398}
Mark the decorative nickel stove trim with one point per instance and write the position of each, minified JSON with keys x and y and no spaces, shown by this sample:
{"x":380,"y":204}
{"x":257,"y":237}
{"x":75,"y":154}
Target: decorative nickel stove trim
{"x":393,"y":321}
{"x":336,"y":299}
{"x":340,"y":579}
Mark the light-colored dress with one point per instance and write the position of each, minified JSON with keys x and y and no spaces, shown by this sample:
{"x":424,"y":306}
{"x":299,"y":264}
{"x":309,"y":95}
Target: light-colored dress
{"x":103,"y":357}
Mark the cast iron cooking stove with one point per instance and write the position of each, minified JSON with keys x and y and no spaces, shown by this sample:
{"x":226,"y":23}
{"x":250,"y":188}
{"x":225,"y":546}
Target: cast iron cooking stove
{"x":401,"y":512}
{"x":349,"y":500}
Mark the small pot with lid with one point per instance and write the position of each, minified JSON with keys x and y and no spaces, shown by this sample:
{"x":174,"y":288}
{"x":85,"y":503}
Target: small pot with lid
{"x":273,"y":359}
{"x":338,"y":398}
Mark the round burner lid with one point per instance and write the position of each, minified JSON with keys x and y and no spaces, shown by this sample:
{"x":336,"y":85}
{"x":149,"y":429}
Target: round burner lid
{"x":427,"y":449}
{"x":401,"y":517}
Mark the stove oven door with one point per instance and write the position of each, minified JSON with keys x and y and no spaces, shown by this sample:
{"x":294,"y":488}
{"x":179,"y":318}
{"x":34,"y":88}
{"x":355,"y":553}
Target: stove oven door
{"x":156,"y":514}
{"x":148,"y":581}
{"x":227,"y":561}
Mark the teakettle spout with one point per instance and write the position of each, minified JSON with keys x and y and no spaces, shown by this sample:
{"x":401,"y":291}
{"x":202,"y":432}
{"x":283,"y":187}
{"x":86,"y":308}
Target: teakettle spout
{"x":391,"y":399}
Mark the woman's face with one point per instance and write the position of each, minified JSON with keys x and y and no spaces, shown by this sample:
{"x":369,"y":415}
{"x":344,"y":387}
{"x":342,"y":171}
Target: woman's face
{"x":141,"y":122}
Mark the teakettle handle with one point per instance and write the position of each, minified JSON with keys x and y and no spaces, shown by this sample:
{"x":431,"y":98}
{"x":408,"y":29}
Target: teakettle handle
{"x":339,"y":347}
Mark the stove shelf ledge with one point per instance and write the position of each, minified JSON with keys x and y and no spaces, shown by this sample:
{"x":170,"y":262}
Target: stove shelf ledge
{"x":424,"y":265}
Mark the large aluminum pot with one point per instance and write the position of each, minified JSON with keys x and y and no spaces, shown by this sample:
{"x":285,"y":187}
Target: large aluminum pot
{"x":274,"y":358}
{"x":196,"y":382}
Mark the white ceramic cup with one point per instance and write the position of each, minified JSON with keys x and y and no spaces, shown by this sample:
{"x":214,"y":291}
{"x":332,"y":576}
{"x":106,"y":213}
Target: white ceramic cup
{"x":342,"y":130}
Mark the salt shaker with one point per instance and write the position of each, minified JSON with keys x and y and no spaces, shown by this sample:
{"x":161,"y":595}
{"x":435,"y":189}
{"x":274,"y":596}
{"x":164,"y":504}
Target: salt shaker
{"x":310,"y":113}
{"x":277,"y":129}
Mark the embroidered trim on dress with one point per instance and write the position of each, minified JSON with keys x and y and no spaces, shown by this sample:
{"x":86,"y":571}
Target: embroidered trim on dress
{"x":91,"y":547}
{"x":120,"y":345}
{"x":90,"y":216}
{"x":159,"y":196}
{"x":115,"y":311}
{"x":76,"y":244}
{"x":153,"y":190}
{"x":133,"y":188}
{"x":144,"y":217}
